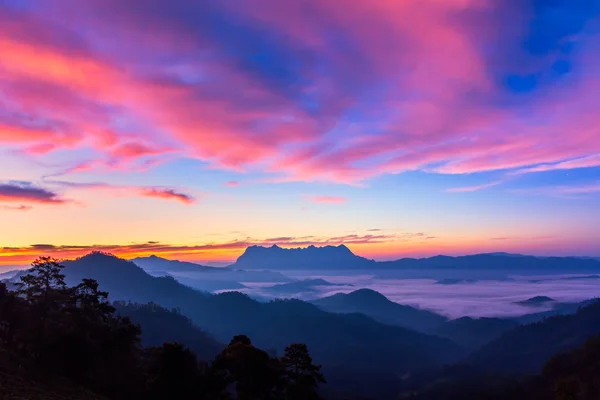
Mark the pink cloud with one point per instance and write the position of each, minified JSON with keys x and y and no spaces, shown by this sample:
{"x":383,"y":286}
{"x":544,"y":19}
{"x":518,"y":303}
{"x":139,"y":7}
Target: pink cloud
{"x":328,"y":199}
{"x":372,"y":88}
{"x":167,"y":194}
{"x":232,"y":184}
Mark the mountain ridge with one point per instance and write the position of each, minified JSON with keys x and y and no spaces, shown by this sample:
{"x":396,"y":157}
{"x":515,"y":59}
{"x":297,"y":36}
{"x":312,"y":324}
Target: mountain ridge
{"x":341,"y":257}
{"x":375,"y":305}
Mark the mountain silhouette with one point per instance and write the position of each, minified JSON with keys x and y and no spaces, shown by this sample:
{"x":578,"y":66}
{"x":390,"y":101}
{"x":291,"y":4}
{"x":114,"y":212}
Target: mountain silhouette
{"x":380,"y":308}
{"x":178,"y":269}
{"x":536,"y":301}
{"x":527,"y":347}
{"x":311,"y":257}
{"x":124,"y":280}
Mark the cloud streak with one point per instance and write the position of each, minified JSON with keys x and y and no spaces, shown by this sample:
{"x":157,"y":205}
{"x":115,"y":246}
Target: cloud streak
{"x":476,"y":188}
{"x":158,"y":192}
{"x":167,"y":194}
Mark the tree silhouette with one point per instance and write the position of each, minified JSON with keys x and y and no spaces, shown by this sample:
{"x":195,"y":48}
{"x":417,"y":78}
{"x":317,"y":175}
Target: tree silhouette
{"x":173,"y":372}
{"x":44,"y":278}
{"x":250,"y":371}
{"x":302,"y":377}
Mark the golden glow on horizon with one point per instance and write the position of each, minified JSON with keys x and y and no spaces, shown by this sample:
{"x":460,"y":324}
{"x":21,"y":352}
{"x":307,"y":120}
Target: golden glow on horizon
{"x":223,"y":253}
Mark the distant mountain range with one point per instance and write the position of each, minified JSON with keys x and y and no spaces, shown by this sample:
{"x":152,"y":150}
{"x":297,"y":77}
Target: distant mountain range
{"x":340,"y":258}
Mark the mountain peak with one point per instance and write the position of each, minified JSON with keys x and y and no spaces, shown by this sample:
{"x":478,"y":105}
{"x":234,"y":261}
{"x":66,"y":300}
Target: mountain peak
{"x":367,"y":294}
{"x":98,"y":255}
{"x":310,"y":257}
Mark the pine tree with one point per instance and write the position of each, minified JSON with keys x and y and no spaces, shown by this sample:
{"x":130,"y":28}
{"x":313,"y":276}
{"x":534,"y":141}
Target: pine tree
{"x":302,"y":377}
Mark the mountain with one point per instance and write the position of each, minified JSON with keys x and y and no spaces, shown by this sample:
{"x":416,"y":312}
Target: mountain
{"x":340,"y":258}
{"x":311,"y":257}
{"x":154,"y":263}
{"x":557,"y":309}
{"x":126,"y":281}
{"x":180,"y":269}
{"x":498,"y":262}
{"x":536,"y":301}
{"x":9,"y":274}
{"x":352,"y":342}
{"x":160,"y":325}
{"x":473,"y":333}
{"x":306,"y":285}
{"x":378,"y":307}
{"x":527,"y":347}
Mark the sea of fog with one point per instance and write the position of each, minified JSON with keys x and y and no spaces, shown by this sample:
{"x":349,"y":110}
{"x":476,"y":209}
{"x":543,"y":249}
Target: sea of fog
{"x":453,"y":297}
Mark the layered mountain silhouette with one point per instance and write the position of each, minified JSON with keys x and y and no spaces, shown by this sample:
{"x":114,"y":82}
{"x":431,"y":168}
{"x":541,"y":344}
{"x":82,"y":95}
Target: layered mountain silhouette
{"x":161,"y":266}
{"x":340,"y":257}
{"x":348,"y":341}
{"x":378,"y":307}
{"x":527,"y":347}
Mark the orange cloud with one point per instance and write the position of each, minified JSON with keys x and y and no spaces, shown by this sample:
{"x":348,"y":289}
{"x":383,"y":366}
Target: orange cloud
{"x":168,"y":194}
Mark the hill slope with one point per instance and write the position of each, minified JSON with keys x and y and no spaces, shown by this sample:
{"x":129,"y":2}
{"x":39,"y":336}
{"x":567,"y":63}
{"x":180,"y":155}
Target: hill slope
{"x":378,"y":307}
{"x":473,"y":333}
{"x":527,"y":347}
{"x":160,"y":325}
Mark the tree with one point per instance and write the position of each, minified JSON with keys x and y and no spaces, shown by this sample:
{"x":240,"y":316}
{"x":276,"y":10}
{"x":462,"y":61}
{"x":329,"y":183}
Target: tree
{"x":173,"y":372}
{"x":44,"y":278}
{"x":43,"y":288}
{"x":302,"y":377}
{"x":250,"y":371}
{"x":91,"y":302}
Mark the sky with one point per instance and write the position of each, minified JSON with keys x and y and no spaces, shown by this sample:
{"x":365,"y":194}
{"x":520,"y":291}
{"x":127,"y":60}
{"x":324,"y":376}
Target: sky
{"x":192,"y":129}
